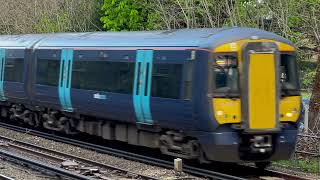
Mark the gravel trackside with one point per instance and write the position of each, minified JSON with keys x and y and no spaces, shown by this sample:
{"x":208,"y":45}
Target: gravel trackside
{"x":18,"y":172}
{"x":149,"y":170}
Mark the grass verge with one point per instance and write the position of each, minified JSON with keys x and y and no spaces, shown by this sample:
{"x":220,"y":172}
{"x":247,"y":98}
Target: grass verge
{"x":306,"y":165}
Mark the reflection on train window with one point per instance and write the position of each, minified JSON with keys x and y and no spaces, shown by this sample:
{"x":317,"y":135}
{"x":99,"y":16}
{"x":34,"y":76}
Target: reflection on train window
{"x":288,"y":73}
{"x":48,"y":72}
{"x":225,"y":74}
{"x":14,"y":68}
{"x":103,"y":76}
{"x":166,"y":80}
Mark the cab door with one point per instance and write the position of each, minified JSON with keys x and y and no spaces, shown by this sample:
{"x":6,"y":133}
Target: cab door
{"x":260,"y":84}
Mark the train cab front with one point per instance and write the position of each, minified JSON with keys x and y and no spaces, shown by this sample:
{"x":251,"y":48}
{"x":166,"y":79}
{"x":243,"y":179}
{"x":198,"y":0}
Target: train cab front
{"x":255,"y":101}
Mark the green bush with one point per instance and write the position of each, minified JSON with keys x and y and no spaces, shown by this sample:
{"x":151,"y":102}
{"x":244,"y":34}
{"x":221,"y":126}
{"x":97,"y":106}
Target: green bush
{"x":120,"y":15}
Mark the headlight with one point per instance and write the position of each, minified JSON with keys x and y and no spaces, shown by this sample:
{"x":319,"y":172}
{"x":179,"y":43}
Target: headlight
{"x":289,"y":114}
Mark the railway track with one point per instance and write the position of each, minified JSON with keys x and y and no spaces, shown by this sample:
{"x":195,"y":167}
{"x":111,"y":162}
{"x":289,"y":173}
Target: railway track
{"x":87,"y":166}
{"x":4,"y":177}
{"x":202,"y":172}
{"x":284,"y":175}
{"x":128,"y":155}
{"x":42,"y":166}
{"x":268,"y":174}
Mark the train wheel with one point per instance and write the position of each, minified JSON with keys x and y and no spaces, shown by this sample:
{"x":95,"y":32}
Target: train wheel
{"x":262,"y":165}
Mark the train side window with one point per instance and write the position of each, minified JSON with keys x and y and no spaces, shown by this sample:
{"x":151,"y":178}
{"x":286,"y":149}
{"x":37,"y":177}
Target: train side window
{"x":14,"y":69}
{"x":288,"y":73}
{"x":48,"y":72}
{"x":166,"y":80}
{"x":103,"y":76}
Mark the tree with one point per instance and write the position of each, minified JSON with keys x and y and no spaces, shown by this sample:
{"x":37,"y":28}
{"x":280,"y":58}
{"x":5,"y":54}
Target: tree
{"x":313,"y":27}
{"x":42,"y":16}
{"x":119,"y":15}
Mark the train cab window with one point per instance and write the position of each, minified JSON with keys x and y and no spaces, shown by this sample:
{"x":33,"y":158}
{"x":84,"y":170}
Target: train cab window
{"x":225,"y":74}
{"x":48,"y":72}
{"x":166,"y":80}
{"x":14,"y":69}
{"x":103,"y":76}
{"x":288,"y":73}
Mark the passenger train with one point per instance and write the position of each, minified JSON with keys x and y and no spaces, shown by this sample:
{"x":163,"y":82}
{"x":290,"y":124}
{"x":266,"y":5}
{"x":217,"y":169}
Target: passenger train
{"x":224,"y":94}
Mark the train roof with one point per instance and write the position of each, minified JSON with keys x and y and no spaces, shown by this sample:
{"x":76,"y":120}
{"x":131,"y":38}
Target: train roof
{"x":200,"y":38}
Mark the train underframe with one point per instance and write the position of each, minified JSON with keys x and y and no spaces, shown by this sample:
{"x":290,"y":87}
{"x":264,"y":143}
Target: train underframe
{"x":226,"y":146}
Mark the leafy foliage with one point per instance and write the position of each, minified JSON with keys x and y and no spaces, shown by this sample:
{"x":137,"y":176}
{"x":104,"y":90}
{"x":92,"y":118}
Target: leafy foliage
{"x":47,"y":24}
{"x":122,"y":15}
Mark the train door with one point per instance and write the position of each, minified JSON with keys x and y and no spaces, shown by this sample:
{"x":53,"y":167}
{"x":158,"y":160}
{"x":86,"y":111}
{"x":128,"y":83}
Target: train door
{"x":53,"y":76}
{"x":142,"y":86}
{"x":260,"y":98}
{"x":12,"y":74}
{"x":65,"y":79}
{"x":2,"y":58}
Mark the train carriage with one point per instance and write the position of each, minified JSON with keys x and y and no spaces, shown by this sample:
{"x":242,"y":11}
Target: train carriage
{"x":228,"y":94}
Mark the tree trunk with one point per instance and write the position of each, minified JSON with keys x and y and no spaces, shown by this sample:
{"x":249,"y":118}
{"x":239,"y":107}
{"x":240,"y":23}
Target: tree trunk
{"x":314,"y":107}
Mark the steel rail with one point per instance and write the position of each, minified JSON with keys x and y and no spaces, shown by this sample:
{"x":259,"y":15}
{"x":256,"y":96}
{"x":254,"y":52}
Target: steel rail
{"x":272,"y":173}
{"x":284,"y":175}
{"x":64,"y":156}
{"x":44,"y":166}
{"x":127,"y":155}
{"x":4,"y":177}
